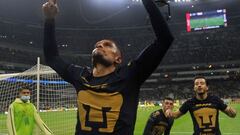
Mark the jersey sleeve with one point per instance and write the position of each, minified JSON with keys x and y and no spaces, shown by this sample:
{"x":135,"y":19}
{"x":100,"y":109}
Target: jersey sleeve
{"x":149,"y":125}
{"x":220,"y":104}
{"x":66,"y":70}
{"x":10,"y":121}
{"x":40,"y":123}
{"x":167,"y":131}
{"x":151,"y":56}
{"x":185,"y":107}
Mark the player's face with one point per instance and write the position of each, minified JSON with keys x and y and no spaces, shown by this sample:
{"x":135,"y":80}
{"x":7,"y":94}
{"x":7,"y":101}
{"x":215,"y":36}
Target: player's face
{"x":167,"y":104}
{"x":106,"y":53}
{"x":25,"y":92}
{"x":200,"y":86}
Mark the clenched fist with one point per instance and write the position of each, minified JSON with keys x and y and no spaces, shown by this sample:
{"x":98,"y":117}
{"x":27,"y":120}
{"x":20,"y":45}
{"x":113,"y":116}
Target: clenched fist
{"x":50,"y":9}
{"x":169,"y":113}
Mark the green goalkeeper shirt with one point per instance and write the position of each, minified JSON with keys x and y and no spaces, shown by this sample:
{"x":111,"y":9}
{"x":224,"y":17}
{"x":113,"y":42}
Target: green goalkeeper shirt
{"x":22,"y":118}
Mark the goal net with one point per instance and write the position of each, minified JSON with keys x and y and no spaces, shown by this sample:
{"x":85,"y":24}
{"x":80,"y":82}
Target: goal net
{"x":54,"y":98}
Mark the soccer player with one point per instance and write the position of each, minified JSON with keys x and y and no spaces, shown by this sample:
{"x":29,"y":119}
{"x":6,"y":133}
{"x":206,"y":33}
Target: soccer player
{"x":107,"y":95}
{"x":204,"y":109}
{"x":158,"y":123}
{"x":22,"y":116}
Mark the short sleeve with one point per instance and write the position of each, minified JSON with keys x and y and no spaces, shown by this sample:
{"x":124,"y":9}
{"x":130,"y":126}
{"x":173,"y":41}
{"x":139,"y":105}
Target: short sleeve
{"x":185,"y":107}
{"x":220,"y":104}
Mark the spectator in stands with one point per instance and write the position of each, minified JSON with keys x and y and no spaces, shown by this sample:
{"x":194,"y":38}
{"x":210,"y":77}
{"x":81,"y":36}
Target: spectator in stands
{"x":22,"y":116}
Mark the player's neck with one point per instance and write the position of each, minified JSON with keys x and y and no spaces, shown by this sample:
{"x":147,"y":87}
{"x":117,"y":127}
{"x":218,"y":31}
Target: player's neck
{"x":201,"y":97}
{"x":100,"y":70}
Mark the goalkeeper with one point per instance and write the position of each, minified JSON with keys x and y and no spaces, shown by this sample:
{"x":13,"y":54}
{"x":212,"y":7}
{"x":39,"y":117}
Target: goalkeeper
{"x":22,"y":116}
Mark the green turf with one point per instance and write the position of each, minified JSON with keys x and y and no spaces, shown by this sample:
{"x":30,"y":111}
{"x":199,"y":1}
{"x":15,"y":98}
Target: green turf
{"x":63,"y":123}
{"x":183,"y":125}
{"x":214,"y":21}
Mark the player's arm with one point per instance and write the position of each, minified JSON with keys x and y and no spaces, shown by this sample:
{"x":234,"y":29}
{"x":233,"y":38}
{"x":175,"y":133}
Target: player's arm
{"x":41,"y":124}
{"x":167,"y":132}
{"x":51,"y":53}
{"x":10,"y":121}
{"x":231,"y":112}
{"x":149,"y":126}
{"x":175,"y":115}
{"x":151,"y":56}
{"x":182,"y":110}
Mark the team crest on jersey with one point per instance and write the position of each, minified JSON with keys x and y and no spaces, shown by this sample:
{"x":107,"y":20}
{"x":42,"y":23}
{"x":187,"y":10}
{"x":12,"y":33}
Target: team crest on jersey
{"x":158,"y":130}
{"x":206,"y":118}
{"x":99,"y":111}
{"x":155,"y":114}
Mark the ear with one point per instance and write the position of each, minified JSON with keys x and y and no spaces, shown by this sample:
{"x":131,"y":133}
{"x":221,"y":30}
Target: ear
{"x":118,"y":60}
{"x":194,"y":89}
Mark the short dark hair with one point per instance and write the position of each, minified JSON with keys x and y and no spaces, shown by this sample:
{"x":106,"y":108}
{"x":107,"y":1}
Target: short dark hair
{"x":200,"y":77}
{"x":117,"y":45}
{"x":119,"y":49}
{"x":23,"y":88}
{"x":168,"y":98}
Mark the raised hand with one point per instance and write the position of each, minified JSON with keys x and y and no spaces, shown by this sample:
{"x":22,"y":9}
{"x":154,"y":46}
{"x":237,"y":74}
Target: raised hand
{"x":169,"y":113}
{"x":50,"y":9}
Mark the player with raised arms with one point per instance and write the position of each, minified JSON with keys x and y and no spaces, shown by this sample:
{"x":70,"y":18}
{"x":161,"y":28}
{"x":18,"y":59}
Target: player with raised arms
{"x":107,"y":95}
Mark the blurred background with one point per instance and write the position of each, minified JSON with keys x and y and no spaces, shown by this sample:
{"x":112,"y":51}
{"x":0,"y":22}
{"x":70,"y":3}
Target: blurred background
{"x":206,"y":39}
{"x":206,"y":43}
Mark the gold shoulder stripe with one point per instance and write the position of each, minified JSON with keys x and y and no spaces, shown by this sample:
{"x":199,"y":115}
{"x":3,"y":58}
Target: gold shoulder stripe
{"x":101,"y":86}
{"x":84,"y":79}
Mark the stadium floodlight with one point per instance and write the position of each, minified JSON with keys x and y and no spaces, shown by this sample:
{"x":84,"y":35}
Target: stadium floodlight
{"x":178,"y":1}
{"x":106,"y":2}
{"x":138,"y":1}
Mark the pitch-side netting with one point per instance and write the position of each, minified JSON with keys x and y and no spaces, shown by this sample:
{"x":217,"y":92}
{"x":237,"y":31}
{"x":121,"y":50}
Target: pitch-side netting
{"x":54,"y":98}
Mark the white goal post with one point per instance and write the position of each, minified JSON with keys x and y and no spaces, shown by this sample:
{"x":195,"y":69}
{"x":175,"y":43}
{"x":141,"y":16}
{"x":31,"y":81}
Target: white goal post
{"x":54,"y":98}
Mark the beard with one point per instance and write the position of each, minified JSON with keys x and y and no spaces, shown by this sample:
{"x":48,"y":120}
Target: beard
{"x":200,"y":93}
{"x":98,"y":58}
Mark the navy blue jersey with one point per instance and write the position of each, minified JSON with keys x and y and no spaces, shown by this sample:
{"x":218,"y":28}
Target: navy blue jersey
{"x":204,"y":114}
{"x":158,"y":124}
{"x":108,"y":104}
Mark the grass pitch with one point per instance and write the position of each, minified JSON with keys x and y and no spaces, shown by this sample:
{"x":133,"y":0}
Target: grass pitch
{"x":63,"y":123}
